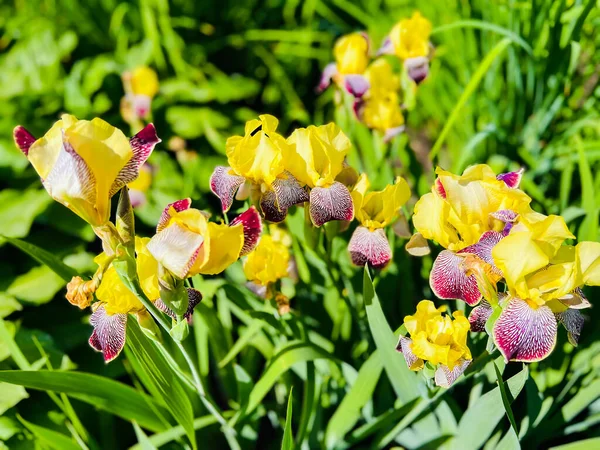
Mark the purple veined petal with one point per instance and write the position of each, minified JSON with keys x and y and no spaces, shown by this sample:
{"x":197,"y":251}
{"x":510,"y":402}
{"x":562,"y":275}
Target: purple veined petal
{"x":179,"y":205}
{"x":404,"y":347}
{"x":573,"y":322}
{"x":387,"y":48}
{"x":417,"y":68}
{"x":483,"y":248}
{"x":449,"y":282}
{"x":225,"y":185}
{"x":329,"y":72}
{"x":289,"y":192}
{"x":512,"y":179}
{"x":369,"y":247}
{"x":194,"y":298}
{"x":176,"y":248}
{"x":23,"y":139}
{"x":391,"y":133}
{"x":523,"y":333}
{"x":439,"y":188}
{"x":505,"y":215}
{"x":250,"y":219}
{"x":332,"y":203}
{"x":141,"y":105}
{"x":108,"y":336}
{"x":356,"y":85}
{"x":480,"y":315}
{"x":258,"y":289}
{"x":269,"y":208}
{"x":142,"y":145}
{"x":444,"y":377}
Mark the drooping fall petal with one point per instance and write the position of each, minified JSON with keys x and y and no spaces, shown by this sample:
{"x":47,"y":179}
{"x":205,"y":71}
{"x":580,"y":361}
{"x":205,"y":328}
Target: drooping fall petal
{"x":512,"y":179}
{"x":250,"y":219}
{"x":108,"y":336}
{"x":448,"y":280}
{"x":573,"y":322}
{"x":370,"y":247}
{"x":479,"y":316}
{"x":329,"y":72}
{"x":23,"y":139}
{"x":269,"y":208}
{"x":356,"y":85}
{"x":194,"y":298}
{"x":404,"y":347}
{"x":331,"y":203}
{"x":444,"y":377}
{"x":224,"y":185}
{"x":288,"y":191}
{"x":523,"y":333}
{"x":417,"y":68}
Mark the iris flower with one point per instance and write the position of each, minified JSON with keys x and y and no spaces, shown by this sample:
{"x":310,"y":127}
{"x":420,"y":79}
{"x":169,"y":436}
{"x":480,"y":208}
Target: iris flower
{"x":116,"y":302}
{"x":375,"y":210}
{"x":141,"y":85}
{"x":84,"y":163}
{"x":438,"y":340}
{"x":380,"y":107}
{"x":315,"y":156}
{"x":467,"y":215}
{"x":186,"y":243}
{"x":544,"y":278}
{"x":139,"y":186}
{"x":266,"y":264}
{"x":351,"y":54}
{"x":409,"y":41}
{"x":256,"y":165}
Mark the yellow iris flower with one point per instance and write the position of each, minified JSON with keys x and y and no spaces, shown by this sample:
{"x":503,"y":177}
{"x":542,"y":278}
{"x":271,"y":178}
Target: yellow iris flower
{"x":116,"y":297}
{"x":258,"y":155}
{"x":144,"y":81}
{"x":79,"y":162}
{"x":351,"y":54}
{"x":410,"y":37}
{"x":457,"y":211}
{"x":315,"y":155}
{"x":381,"y":108}
{"x":437,"y":338}
{"x":378,"y":209}
{"x":268,"y":262}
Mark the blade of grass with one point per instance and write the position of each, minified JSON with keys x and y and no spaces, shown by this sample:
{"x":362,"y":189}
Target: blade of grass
{"x":288,"y":439}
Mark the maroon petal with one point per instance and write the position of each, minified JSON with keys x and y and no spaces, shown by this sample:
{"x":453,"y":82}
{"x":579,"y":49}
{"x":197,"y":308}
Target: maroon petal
{"x":417,"y":68}
{"x":356,"y":85}
{"x":573,"y":322}
{"x":194,"y":298}
{"x":387,"y":48}
{"x":404,"y":347}
{"x":269,"y":208}
{"x":179,"y":205}
{"x":224,"y":185}
{"x":142,"y":145}
{"x":391,"y":133}
{"x":444,"y":377}
{"x":332,"y":203}
{"x":439,"y":188}
{"x":483,"y":248}
{"x":329,"y":72}
{"x":370,"y":247}
{"x":479,"y":316}
{"x":108,"y":336}
{"x":250,"y":219}
{"x":449,"y":282}
{"x":512,"y":179}
{"x":523,"y":333}
{"x":23,"y":139}
{"x":289,"y":192}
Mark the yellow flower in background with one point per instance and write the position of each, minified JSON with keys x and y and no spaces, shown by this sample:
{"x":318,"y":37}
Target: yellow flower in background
{"x":382,"y":78}
{"x":351,"y":53}
{"x":315,"y":155}
{"x":378,"y":209}
{"x":410,"y":37}
{"x":187,"y":244}
{"x":258,"y":155}
{"x":438,"y":340}
{"x":84,"y":163}
{"x":116,"y":297}
{"x":280,"y":235}
{"x":141,"y":185}
{"x":144,"y":81}
{"x":268,"y":262}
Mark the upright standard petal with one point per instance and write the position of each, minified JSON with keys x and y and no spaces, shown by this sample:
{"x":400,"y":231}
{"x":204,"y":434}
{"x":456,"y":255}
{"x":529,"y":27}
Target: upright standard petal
{"x":448,"y":280}
{"x":370,"y":247}
{"x":250,"y":219}
{"x":23,"y":139}
{"x":331,"y":203}
{"x":108,"y":336}
{"x":523,"y":333}
{"x":224,"y":184}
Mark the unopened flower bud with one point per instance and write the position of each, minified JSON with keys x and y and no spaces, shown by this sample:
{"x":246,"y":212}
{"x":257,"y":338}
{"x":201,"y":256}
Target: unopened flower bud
{"x":81,"y":293}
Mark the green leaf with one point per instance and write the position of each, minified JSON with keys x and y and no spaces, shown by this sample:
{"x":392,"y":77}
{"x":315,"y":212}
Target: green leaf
{"x":510,"y":441}
{"x":161,"y":380}
{"x":38,"y":286}
{"x":480,"y":419}
{"x":10,"y":395}
{"x":44,"y":257}
{"x":585,"y":444}
{"x":505,"y":399}
{"x":349,"y":410}
{"x":103,"y":393}
{"x":8,"y":305}
{"x":144,"y":441}
{"x":288,"y":439}
{"x":242,"y":342}
{"x":18,"y":209}
{"x":588,"y":231}
{"x":52,"y":439}
{"x":404,"y":382}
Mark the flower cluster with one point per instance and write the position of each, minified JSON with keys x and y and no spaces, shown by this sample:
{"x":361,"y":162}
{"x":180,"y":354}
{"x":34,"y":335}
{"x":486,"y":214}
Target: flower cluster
{"x":374,"y":85}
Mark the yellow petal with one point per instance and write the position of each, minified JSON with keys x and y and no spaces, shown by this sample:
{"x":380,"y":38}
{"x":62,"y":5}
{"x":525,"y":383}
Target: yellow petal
{"x":268,"y":262}
{"x":117,"y":297}
{"x":380,"y":208}
{"x":147,"y":268}
{"x":144,"y":81}
{"x":588,"y":254}
{"x":426,"y":350}
{"x":431,"y":219}
{"x":43,"y":153}
{"x":351,"y":54}
{"x":411,"y":37}
{"x":221,"y":248}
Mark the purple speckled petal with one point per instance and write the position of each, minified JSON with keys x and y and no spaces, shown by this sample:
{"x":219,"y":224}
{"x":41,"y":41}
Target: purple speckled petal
{"x":404,"y":347}
{"x":512,"y":179}
{"x":224,"y":185}
{"x":357,"y":85}
{"x":250,"y":219}
{"x":448,"y":280}
{"x":23,"y":139}
{"x":370,"y":247}
{"x":444,"y":377}
{"x":479,"y":316}
{"x":573,"y":321}
{"x":179,"y":205}
{"x":108,"y":336}
{"x":417,"y":68}
{"x":332,"y":203}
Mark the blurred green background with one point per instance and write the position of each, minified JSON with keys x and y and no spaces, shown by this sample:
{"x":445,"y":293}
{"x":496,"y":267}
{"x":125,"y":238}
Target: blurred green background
{"x":535,"y":105}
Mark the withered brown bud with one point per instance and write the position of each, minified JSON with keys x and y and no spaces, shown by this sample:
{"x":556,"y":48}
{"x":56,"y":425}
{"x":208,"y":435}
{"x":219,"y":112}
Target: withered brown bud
{"x":80,"y":292}
{"x":283,"y":304}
